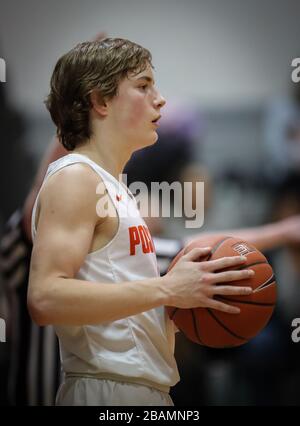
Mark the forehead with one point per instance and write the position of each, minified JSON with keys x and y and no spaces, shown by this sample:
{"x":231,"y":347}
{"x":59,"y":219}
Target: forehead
{"x":147,"y":73}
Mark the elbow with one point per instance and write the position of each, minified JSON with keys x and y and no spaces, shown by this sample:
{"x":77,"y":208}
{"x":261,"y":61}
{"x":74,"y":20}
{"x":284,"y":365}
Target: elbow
{"x":38,"y":309}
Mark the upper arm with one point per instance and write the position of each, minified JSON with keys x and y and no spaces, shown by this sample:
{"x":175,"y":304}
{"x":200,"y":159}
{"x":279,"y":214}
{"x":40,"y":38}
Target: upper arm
{"x":65,"y":226}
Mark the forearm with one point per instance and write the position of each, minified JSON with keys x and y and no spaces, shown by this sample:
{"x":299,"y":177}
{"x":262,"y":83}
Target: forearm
{"x":263,"y":237}
{"x":76,"y":302}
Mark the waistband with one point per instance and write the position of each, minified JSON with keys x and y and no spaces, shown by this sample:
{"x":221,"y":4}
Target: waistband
{"x":119,"y":378}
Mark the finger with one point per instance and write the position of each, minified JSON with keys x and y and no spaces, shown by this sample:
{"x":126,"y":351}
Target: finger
{"x":222,"y":277}
{"x":197,"y":253}
{"x":220,"y":306}
{"x":230,"y":290}
{"x":100,"y":36}
{"x":223,"y":262}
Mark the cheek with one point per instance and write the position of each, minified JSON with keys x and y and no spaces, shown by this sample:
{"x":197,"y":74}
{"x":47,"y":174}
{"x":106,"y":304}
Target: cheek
{"x":135,"y":112}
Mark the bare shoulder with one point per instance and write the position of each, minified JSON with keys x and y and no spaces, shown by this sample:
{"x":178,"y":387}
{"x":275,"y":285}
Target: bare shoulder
{"x":71,"y":190}
{"x":65,"y":223}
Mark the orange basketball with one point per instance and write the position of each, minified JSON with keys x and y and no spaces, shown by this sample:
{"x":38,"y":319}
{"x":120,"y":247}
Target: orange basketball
{"x":217,"y":329}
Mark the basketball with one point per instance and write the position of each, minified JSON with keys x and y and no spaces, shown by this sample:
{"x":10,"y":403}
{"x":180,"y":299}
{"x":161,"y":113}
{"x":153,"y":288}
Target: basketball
{"x":216,"y":329}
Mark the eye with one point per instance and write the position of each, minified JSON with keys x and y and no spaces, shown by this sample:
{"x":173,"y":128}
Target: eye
{"x":144,"y":87}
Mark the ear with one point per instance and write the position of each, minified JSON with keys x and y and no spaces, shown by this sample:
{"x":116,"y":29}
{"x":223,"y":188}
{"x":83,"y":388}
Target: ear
{"x":98,"y":103}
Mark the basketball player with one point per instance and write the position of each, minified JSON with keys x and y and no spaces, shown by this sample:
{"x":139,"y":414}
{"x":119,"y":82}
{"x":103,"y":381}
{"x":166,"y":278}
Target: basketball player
{"x":34,"y":366}
{"x":94,"y":273}
{"x":33,"y":369}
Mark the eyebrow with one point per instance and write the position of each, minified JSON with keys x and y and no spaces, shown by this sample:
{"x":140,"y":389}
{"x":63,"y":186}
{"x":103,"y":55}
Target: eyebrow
{"x":145,"y":77}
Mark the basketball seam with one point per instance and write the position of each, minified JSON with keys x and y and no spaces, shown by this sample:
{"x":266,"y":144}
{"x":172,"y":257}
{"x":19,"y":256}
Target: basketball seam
{"x":194,"y":321}
{"x":224,"y":326}
{"x":245,"y":302}
{"x":196,"y":326}
{"x":217,"y":245}
{"x":268,"y":282}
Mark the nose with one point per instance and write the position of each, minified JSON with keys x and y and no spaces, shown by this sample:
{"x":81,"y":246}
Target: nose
{"x":159,"y":101}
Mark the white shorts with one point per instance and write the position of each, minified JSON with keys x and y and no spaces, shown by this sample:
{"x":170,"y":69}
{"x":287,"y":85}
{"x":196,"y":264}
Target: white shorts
{"x":101,"y":392}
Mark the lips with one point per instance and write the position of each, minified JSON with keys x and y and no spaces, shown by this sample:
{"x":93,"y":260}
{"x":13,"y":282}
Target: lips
{"x":156,"y":119}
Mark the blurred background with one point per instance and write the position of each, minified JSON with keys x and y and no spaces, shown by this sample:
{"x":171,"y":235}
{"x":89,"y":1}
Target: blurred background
{"x":232,"y":119}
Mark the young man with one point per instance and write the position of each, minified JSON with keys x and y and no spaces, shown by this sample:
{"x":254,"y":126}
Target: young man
{"x":91,"y":276}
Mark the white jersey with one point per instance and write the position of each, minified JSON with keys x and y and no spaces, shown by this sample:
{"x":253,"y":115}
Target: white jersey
{"x":139,"y":348}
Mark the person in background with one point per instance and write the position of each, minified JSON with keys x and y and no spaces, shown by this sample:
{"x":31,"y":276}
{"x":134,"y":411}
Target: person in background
{"x":38,"y":363}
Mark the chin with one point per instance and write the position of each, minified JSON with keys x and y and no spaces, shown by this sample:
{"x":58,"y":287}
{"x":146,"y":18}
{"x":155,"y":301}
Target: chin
{"x":154,"y":139}
{"x":147,"y":142}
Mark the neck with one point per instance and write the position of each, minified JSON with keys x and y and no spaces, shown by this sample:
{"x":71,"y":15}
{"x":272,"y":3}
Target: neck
{"x":107,"y":156}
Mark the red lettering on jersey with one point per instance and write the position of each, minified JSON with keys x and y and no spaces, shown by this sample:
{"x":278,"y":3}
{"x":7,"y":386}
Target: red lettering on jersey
{"x":145,"y":240}
{"x":151,"y":244}
{"x":138,"y":235}
{"x":134,"y":239}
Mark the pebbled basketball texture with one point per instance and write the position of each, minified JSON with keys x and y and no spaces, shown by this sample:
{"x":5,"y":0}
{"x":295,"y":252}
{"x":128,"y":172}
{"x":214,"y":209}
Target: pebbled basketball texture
{"x":217,"y":329}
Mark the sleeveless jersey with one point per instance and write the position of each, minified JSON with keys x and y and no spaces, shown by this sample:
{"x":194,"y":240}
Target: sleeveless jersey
{"x":139,"y":348}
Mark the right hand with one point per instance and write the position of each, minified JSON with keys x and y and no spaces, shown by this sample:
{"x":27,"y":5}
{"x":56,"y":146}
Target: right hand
{"x":193,"y":284}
